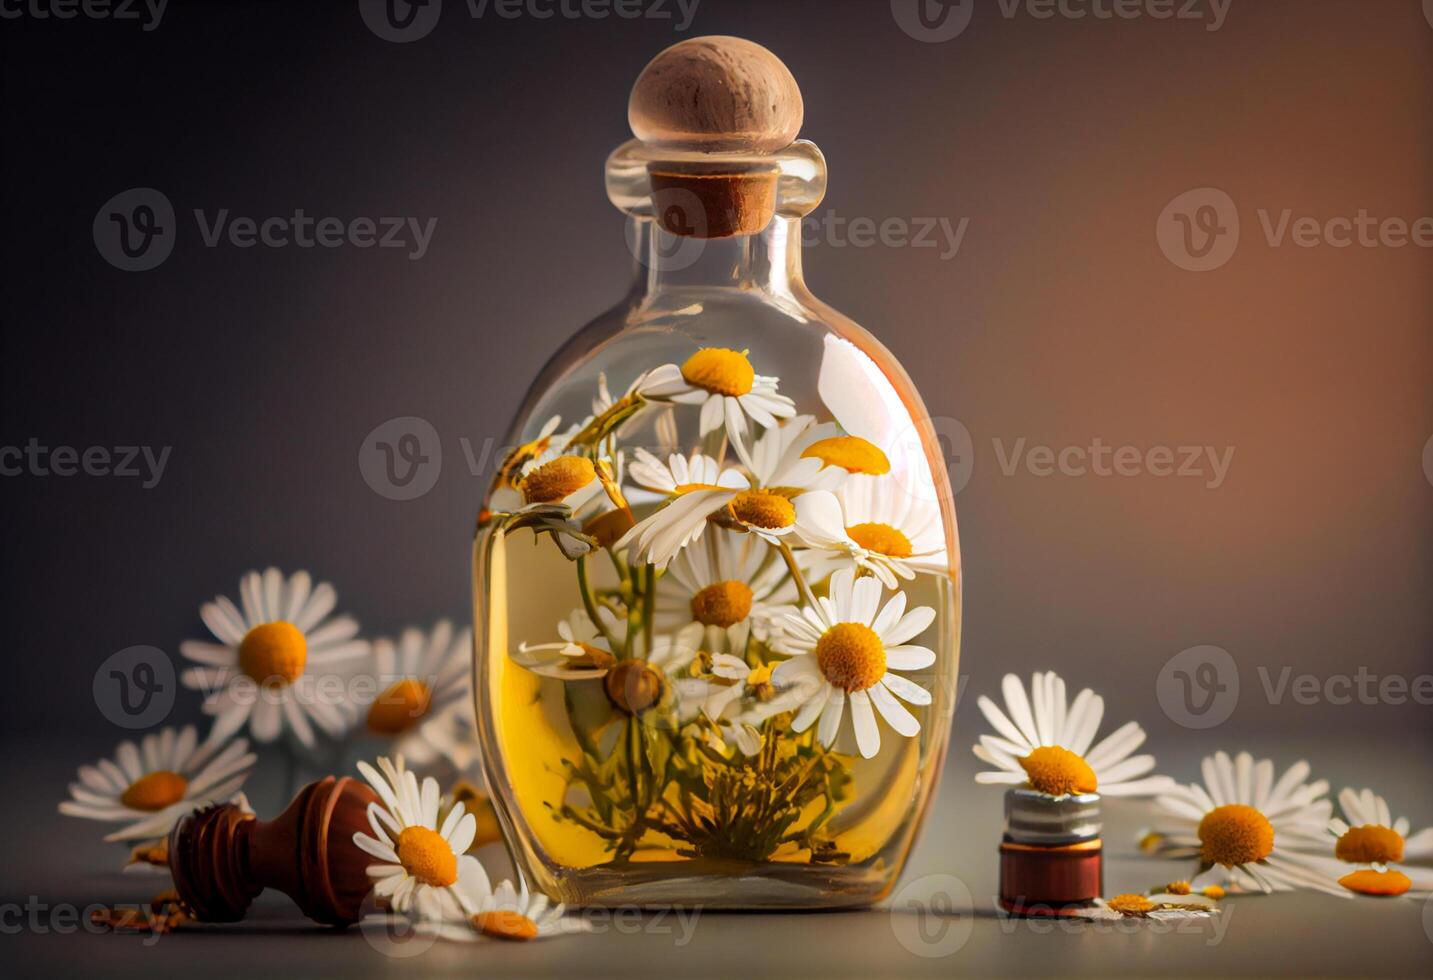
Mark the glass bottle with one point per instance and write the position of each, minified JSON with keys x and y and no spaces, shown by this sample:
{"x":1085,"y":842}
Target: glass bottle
{"x":726,"y":518}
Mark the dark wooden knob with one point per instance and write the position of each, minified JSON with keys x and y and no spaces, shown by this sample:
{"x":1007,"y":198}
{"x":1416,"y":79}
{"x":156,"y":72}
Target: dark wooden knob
{"x":222,"y":857}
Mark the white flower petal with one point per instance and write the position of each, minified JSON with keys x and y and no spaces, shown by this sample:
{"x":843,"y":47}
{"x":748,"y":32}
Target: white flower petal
{"x":863,"y":719}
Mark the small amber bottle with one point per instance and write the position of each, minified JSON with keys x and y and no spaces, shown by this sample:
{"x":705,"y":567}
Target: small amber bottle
{"x":1050,"y":857}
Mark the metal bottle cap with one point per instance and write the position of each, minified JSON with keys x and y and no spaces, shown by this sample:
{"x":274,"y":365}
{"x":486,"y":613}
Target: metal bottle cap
{"x":1034,"y":818}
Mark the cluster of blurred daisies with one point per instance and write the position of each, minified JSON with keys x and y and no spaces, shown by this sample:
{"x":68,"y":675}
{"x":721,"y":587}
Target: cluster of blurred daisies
{"x":1241,"y":829}
{"x":284,"y":670}
{"x":287,"y":672}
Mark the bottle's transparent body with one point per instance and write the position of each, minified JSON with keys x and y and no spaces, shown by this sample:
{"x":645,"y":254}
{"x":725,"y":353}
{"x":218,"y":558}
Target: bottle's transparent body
{"x":630,"y":760}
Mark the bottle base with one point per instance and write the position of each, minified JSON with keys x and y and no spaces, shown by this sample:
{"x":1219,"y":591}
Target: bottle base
{"x":720,"y":885}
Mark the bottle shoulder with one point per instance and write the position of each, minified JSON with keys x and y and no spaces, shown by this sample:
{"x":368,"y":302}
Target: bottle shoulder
{"x":792,"y":337}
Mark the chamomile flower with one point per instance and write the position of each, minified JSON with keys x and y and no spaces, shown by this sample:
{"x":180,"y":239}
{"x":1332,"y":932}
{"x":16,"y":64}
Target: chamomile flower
{"x":582,"y":652}
{"x":543,"y":486}
{"x":422,"y":865}
{"x":695,"y":487}
{"x":421,"y":678}
{"x":1245,"y":827}
{"x":877,"y":525}
{"x":546,"y":445}
{"x":724,"y":680}
{"x":637,"y":394}
{"x":154,"y":783}
{"x":1369,"y":837}
{"x":781,"y":470}
{"x":506,"y":914}
{"x":633,"y":684}
{"x":569,"y":481}
{"x":727,"y":388}
{"x":1182,"y":893}
{"x":740,"y":698}
{"x":845,"y":648}
{"x":730,"y":581}
{"x":719,"y":683}
{"x":1048,"y":746}
{"x":1155,"y":908}
{"x":270,"y":649}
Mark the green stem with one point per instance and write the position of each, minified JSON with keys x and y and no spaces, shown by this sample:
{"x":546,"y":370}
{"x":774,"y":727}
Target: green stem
{"x":806,"y":597}
{"x":638,"y":825}
{"x":651,"y":604}
{"x":570,"y":814}
{"x":591,"y":604}
{"x":634,"y":613}
{"x":621,"y":566}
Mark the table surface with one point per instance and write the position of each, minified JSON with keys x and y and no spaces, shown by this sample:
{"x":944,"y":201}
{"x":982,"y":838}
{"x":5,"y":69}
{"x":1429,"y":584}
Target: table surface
{"x":937,"y":924}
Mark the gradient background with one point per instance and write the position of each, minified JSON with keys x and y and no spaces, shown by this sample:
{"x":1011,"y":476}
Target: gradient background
{"x":1059,"y":321}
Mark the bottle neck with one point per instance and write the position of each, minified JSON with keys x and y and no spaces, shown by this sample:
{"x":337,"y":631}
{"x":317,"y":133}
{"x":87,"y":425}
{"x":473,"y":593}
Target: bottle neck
{"x":769,"y":261}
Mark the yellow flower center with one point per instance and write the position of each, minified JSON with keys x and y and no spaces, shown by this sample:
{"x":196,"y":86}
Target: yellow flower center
{"x":1370,"y":882}
{"x":758,"y":682}
{"x":720,"y":371}
{"x":1177,"y":888}
{"x":633,"y":686}
{"x":851,"y":453}
{"x":1131,"y":904}
{"x":1056,"y":771}
{"x":851,"y":656}
{"x":1235,"y":834}
{"x":1370,"y":844}
{"x":426,"y":856}
{"x":155,"y":790}
{"x":557,"y":479}
{"x":502,"y":924}
{"x":400,"y":707}
{"x":274,"y":654}
{"x":765,"y":509}
{"x":1150,"y":842}
{"x":1215,"y":892}
{"x":722,"y":604}
{"x":607,"y":529}
{"x":882,"y":539}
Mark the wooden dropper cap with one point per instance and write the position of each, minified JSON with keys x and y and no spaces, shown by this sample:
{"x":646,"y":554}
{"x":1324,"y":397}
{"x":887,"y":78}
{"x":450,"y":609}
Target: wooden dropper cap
{"x":723,"y":96}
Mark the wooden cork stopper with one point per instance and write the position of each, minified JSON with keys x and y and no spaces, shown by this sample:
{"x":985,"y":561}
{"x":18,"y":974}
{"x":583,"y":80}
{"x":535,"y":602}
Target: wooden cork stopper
{"x":718,"y":95}
{"x":713,"y":205}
